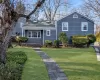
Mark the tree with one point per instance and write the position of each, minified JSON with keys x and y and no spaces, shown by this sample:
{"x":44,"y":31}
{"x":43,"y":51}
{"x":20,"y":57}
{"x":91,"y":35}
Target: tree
{"x":93,"y":6}
{"x":20,"y":7}
{"x":63,"y":38}
{"x":51,"y":7}
{"x":8,"y":19}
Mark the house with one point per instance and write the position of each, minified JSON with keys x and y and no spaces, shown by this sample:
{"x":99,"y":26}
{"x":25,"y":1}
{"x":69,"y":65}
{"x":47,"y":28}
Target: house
{"x":39,"y":31}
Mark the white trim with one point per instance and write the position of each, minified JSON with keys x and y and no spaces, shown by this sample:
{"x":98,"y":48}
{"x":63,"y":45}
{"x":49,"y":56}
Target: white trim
{"x":82,"y":26}
{"x":38,"y":28}
{"x":47,"y":32}
{"x":22,"y":32}
{"x":34,"y":37}
{"x":21,"y":24}
{"x":43,"y":37}
{"x":64,"y":26}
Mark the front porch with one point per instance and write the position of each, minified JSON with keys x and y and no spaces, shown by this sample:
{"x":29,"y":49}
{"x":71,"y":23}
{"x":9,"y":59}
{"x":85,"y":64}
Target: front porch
{"x":35,"y":37}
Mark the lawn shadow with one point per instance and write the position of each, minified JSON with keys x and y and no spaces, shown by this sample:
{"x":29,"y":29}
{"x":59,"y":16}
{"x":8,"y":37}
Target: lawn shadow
{"x":83,"y":69}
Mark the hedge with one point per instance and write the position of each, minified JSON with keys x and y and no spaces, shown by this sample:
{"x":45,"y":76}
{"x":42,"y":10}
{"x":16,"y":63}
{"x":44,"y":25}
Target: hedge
{"x":13,"y":68}
{"x":79,"y":41}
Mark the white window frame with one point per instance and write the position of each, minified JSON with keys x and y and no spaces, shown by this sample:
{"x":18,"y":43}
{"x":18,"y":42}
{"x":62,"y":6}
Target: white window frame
{"x":37,"y":34}
{"x":47,"y":32}
{"x":21,"y":24}
{"x":64,"y":26}
{"x":75,"y":16}
{"x":28,"y":34}
{"x":82,"y":26}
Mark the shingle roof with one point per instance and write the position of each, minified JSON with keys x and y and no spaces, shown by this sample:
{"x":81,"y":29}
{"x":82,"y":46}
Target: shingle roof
{"x":39,"y":24}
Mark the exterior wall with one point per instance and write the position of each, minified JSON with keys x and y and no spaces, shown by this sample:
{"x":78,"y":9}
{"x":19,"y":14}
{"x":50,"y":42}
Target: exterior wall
{"x":18,"y":28}
{"x":52,"y":37}
{"x":74,"y":25}
{"x":35,"y":40}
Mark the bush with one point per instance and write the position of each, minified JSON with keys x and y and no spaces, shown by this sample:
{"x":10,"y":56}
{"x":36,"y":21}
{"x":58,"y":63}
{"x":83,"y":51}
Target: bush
{"x":12,"y":70}
{"x":48,"y":43}
{"x":23,"y":39}
{"x":79,"y":41}
{"x":56,"y":43}
{"x":91,"y":39}
{"x":63,"y":38}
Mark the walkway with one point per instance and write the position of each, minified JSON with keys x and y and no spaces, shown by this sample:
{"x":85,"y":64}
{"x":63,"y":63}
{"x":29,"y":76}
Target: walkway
{"x":54,"y":72}
{"x":97,"y":49}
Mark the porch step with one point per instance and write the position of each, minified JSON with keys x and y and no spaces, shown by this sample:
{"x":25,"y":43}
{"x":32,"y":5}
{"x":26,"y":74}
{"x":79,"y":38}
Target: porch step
{"x":31,"y":45}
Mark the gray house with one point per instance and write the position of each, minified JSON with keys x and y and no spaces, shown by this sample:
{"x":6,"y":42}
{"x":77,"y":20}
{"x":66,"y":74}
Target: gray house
{"x":38,"y":32}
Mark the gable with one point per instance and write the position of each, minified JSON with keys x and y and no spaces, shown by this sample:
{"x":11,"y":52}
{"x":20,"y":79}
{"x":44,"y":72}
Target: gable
{"x":71,"y":17}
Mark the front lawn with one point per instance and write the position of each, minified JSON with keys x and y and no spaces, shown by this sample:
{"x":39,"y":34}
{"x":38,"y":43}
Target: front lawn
{"x":77,"y":63}
{"x":34,"y":68}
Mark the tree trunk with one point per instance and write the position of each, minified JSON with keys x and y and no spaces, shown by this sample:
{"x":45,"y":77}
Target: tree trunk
{"x":5,"y":43}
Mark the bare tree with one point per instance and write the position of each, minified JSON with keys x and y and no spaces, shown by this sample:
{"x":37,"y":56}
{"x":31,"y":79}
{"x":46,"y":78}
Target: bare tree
{"x":93,"y":6}
{"x":51,"y":7}
{"x":20,"y":7}
{"x":8,"y":19}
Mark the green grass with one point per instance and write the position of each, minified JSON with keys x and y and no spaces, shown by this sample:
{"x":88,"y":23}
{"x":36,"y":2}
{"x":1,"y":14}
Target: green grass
{"x":77,"y":63}
{"x":34,"y":68}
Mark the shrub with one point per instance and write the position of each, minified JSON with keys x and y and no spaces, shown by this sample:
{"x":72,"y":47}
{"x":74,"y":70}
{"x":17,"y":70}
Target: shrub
{"x":48,"y":43}
{"x":91,"y":39}
{"x":79,"y":41}
{"x":12,"y":70}
{"x":63,"y":38}
{"x":56,"y":43}
{"x":23,"y":39}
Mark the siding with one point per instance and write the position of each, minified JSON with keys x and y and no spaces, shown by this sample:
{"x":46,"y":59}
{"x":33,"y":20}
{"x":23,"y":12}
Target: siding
{"x":75,"y":25}
{"x":35,"y":40}
{"x":52,"y":37}
{"x":18,"y":28}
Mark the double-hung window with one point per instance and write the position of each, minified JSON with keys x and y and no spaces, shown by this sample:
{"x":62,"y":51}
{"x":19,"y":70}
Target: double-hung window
{"x":64,"y":26}
{"x":48,"y":33}
{"x":84,"y":26}
{"x":34,"y":34}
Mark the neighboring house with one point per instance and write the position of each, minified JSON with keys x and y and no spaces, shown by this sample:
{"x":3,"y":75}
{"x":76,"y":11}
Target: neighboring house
{"x":38,"y":32}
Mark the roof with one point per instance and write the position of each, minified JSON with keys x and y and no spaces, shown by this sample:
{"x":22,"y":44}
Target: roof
{"x":38,"y":25}
{"x":79,"y":14}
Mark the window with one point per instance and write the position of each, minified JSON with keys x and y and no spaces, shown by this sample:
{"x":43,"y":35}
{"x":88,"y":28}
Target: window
{"x":48,"y":33}
{"x":29,"y":34}
{"x":84,"y":26}
{"x":34,"y":34}
{"x":64,"y":26}
{"x":75,"y":16}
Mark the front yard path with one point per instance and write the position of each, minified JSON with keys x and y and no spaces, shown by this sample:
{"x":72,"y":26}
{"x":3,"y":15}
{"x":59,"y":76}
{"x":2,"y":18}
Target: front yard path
{"x":54,"y":72}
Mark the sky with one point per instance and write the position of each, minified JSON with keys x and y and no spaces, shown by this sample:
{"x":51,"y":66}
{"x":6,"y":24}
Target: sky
{"x":76,"y":3}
